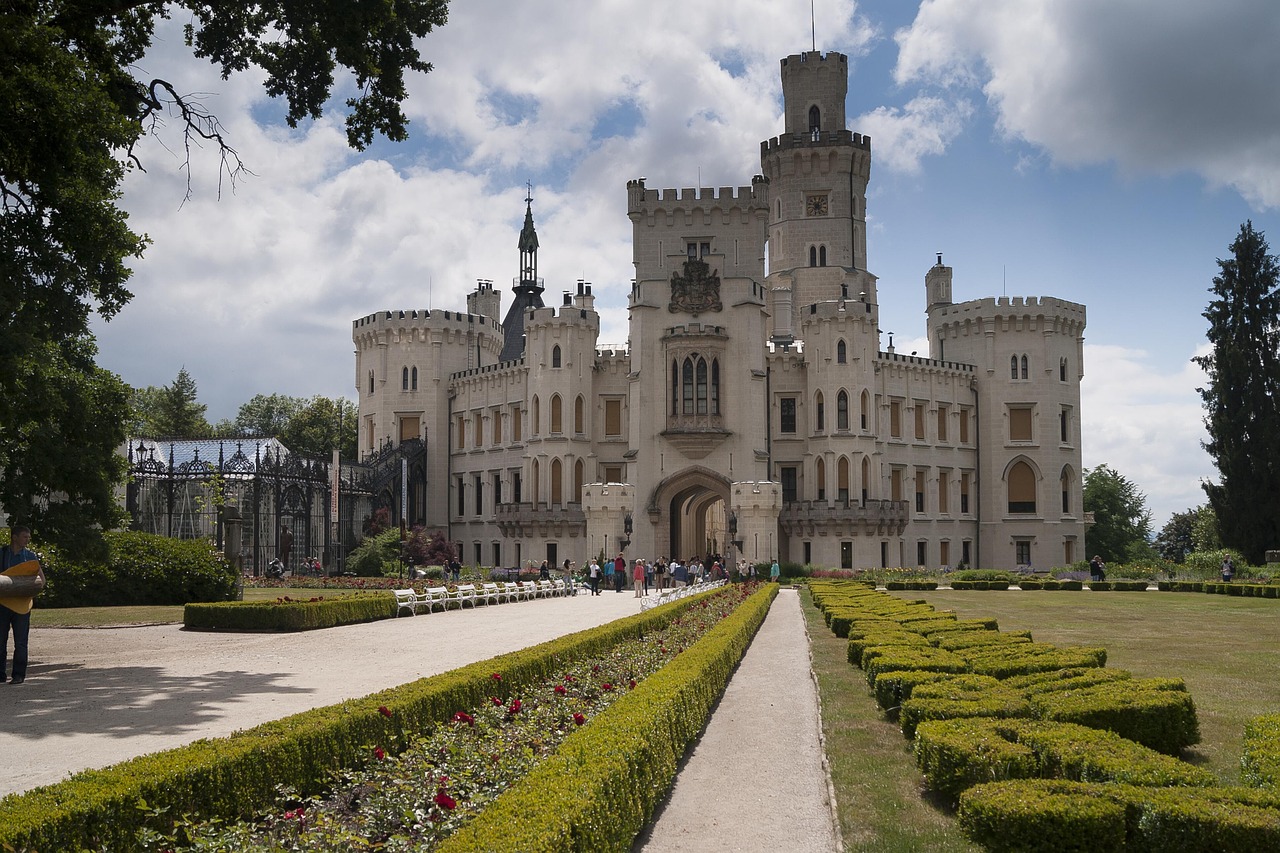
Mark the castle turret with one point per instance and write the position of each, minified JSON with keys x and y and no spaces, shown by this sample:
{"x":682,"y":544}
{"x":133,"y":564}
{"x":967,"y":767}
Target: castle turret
{"x":485,"y":300}
{"x":527,"y":290}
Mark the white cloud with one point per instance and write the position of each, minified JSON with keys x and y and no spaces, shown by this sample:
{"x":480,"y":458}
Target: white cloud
{"x":904,"y":136}
{"x":1153,"y":87}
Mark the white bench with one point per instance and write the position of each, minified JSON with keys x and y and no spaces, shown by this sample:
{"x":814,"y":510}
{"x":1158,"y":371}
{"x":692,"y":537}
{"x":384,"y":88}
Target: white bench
{"x":464,"y":593}
{"x":490,"y":593}
{"x":433,"y":595}
{"x":561,"y":587}
{"x":406,"y":599}
{"x":547,"y":588}
{"x":511,"y":591}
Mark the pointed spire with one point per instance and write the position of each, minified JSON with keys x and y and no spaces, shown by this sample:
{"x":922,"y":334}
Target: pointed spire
{"x":527,"y":292}
{"x":528,"y":245}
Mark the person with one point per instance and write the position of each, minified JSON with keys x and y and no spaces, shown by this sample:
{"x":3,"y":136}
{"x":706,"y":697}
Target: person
{"x":567,"y":569}
{"x":679,"y":573}
{"x":1228,"y":569}
{"x":775,"y":571}
{"x":648,"y":575}
{"x":593,"y":576}
{"x":286,"y":545}
{"x":619,"y":572}
{"x":10,"y":620}
{"x":660,"y":574}
{"x":1097,"y":568}
{"x":638,"y":578}
{"x":455,"y":569}
{"x":544,"y":571}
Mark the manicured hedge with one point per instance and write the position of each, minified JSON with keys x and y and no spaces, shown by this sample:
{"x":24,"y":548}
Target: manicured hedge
{"x":1148,"y":711}
{"x":235,"y":776}
{"x":959,"y":753}
{"x":288,"y":614}
{"x":878,"y":659}
{"x":1051,"y":815}
{"x":961,"y":696}
{"x":140,"y":569}
{"x":883,"y":638}
{"x":602,"y":786}
{"x":1260,"y":764}
{"x":1008,"y":661}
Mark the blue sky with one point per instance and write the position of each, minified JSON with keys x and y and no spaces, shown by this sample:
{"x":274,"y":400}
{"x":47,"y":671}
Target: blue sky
{"x":1101,"y":152}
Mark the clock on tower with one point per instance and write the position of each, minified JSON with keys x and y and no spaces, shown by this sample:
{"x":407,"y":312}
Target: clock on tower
{"x":816,"y":205}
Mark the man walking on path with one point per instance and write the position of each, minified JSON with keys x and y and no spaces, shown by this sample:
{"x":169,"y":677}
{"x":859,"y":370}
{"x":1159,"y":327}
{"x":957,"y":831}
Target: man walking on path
{"x":10,"y":617}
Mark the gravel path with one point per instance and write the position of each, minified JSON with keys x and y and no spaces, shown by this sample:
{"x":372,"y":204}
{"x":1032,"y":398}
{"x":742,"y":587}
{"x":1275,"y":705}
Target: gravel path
{"x":755,"y":780}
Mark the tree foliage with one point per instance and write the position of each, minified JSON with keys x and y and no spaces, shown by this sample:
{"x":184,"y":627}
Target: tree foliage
{"x":323,"y":424}
{"x":73,"y":105}
{"x":1187,"y":533}
{"x":267,"y":414}
{"x":171,"y":411}
{"x":1121,"y":521}
{"x":1242,"y":396}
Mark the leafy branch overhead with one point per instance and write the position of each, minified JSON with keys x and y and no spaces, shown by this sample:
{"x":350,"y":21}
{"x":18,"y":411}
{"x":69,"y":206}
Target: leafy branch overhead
{"x":73,"y":106}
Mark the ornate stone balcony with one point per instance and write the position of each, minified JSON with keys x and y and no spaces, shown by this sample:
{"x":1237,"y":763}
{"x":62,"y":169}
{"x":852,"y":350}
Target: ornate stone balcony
{"x":844,"y":518}
{"x":541,"y":519}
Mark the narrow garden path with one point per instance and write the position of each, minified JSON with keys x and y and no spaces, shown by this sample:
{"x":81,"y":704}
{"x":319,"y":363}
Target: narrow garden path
{"x":755,"y":780}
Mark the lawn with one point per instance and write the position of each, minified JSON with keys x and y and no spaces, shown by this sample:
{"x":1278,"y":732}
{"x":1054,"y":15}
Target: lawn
{"x":1226,"y":648}
{"x":114,"y":617}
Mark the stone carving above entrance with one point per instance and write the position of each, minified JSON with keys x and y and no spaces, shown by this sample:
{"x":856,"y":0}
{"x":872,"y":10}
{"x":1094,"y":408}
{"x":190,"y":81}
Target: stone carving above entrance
{"x":697,"y":290}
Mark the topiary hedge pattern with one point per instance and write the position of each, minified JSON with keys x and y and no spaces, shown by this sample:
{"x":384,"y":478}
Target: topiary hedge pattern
{"x":287,"y":614}
{"x":1260,"y":763}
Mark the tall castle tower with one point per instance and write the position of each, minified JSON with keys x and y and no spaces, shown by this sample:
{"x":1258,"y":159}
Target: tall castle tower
{"x":818,"y":173}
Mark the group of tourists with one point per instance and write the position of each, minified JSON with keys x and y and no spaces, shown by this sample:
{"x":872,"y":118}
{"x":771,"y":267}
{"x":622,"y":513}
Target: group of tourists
{"x":661,"y":574}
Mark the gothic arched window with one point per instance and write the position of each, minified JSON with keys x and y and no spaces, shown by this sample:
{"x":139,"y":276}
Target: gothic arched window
{"x":555,"y":356}
{"x":413,"y":379}
{"x":404,"y":379}
{"x":842,"y":410}
{"x":1013,"y":367}
{"x":842,"y":352}
{"x":822,"y":256}
{"x":815,"y":121}
{"x":1024,"y":367}
{"x":813,"y":256}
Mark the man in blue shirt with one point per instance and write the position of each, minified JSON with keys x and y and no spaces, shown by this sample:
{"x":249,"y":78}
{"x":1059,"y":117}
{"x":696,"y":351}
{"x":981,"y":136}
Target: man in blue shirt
{"x":19,"y":623}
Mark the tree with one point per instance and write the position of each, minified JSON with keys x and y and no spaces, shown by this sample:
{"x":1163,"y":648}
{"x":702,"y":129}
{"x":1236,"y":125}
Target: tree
{"x":1177,"y":538}
{"x":73,"y":107}
{"x":268,"y":414}
{"x":323,"y":424}
{"x":1121,"y":521}
{"x":1242,"y":396}
{"x":181,"y":414}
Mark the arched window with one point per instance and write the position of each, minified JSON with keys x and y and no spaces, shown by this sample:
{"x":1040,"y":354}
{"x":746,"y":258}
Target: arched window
{"x":842,"y":478}
{"x":1024,"y":367}
{"x":1062,"y":370}
{"x":820,"y":408}
{"x":1065,"y":483}
{"x":537,"y":481}
{"x":1013,"y":367}
{"x":537,"y":415}
{"x":579,"y":414}
{"x":813,"y":256}
{"x":702,"y":386}
{"x":779,"y":208}
{"x":404,"y":379}
{"x":820,"y":472}
{"x":864,"y":404}
{"x":675,"y":388}
{"x":557,"y":483}
{"x":815,"y":121}
{"x":370,"y":381}
{"x":842,"y":410}
{"x":555,"y":356}
{"x":822,"y":256}
{"x":715,"y":386}
{"x":1022,"y":489}
{"x":866,"y":478}
{"x":413,"y":379}
{"x":842,"y":352}
{"x":557,"y":425}
{"x":686,"y":386}
{"x":579,"y":475}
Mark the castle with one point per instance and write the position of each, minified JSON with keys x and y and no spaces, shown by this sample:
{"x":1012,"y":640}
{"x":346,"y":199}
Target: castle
{"x":753,"y":412}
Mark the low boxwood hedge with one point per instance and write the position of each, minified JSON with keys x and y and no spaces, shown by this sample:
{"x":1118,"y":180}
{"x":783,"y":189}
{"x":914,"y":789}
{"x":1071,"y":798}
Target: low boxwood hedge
{"x":1150,"y":711}
{"x":960,"y":696}
{"x":878,"y":659}
{"x":1049,"y":815}
{"x":883,"y":638}
{"x":1260,"y":763}
{"x":287,"y":614}
{"x":1008,"y":661}
{"x":235,"y":776}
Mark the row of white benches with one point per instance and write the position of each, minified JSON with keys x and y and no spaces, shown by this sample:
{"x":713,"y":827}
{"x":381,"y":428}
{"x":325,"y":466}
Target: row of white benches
{"x":473,"y":594}
{"x":667,"y":595}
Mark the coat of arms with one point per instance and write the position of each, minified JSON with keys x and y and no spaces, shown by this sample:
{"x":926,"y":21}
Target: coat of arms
{"x":697,"y":290}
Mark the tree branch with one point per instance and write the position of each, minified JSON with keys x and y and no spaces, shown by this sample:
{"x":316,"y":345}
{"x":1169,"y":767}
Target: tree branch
{"x":159,"y":99}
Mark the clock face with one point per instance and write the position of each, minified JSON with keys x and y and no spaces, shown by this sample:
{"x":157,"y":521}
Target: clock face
{"x":816,"y":206}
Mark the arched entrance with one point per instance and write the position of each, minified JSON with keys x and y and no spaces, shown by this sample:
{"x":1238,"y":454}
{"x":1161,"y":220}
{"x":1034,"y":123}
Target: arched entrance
{"x":690,"y":510}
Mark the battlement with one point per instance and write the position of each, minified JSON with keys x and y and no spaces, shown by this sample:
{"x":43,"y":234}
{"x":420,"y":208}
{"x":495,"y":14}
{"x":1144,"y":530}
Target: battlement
{"x":789,"y":141}
{"x":607,"y":352}
{"x":500,"y":367}
{"x":564,"y":313}
{"x":700,"y":330}
{"x":804,"y":61}
{"x":833,"y":309}
{"x":920,"y":361}
{"x":640,"y":199}
{"x":1006,"y":306}
{"x":425,"y":319}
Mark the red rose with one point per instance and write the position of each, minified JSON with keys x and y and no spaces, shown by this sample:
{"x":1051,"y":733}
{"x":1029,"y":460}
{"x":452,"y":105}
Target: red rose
{"x":444,"y":801}
{"x":496,"y":676}
{"x":495,"y":700}
{"x":560,"y":689}
{"x":633,"y":684}
{"x":464,"y":717}
{"x":384,"y":710}
{"x":513,"y":708}
{"x":606,"y":686}
{"x":378,"y":753}
{"x":579,"y":719}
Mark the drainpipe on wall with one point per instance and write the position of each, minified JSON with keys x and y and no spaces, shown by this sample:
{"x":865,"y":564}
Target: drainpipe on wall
{"x":977,"y":468}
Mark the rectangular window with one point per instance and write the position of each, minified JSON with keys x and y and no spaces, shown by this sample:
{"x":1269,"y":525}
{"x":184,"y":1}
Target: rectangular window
{"x":497,"y":493}
{"x":613,"y":474}
{"x":462,"y":497}
{"x":1068,"y":551}
{"x":497,"y":554}
{"x":895,"y":419}
{"x":1064,"y":419}
{"x":613,"y":417}
{"x":884,"y":555}
{"x":477,"y":433}
{"x":965,"y":552}
{"x":497,"y":426}
{"x":787,"y":406}
{"x":808,"y":553}
{"x":515,"y":486}
{"x":944,"y":553}
{"x":461,"y":429}
{"x":517,"y":425}
{"x":788,"y":484}
{"x":942,"y":423}
{"x":964,"y":492}
{"x":944,"y":493}
{"x":479,"y":554}
{"x":846,"y":555}
{"x":821,"y":415}
{"x":920,"y":412}
{"x":964,"y":426}
{"x":479,"y":495}
{"x":409,"y":428}
{"x":1023,"y":548}
{"x":1020,"y":423}
{"x":895,"y":485}
{"x":919,"y":491}
{"x":922,"y":553}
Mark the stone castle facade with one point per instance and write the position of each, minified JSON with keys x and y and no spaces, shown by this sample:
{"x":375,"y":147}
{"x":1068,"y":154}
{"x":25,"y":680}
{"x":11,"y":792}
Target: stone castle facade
{"x":753,"y":412}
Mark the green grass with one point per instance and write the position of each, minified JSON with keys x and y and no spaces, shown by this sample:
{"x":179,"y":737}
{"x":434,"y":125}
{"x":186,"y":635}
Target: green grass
{"x":1226,"y":648}
{"x":878,"y":794}
{"x":104,"y":617}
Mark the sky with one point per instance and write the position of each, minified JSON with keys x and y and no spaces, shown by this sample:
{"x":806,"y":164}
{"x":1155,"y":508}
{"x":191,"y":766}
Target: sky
{"x":1096,"y":151}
